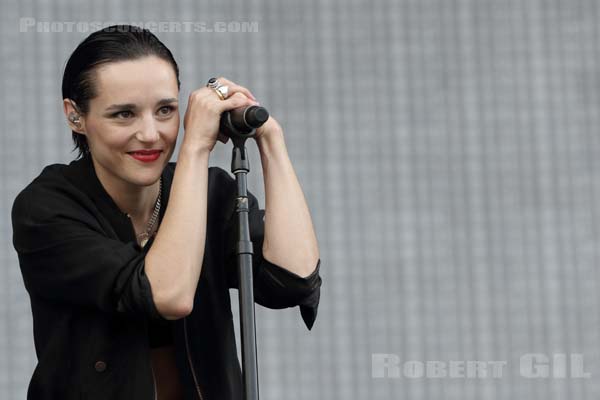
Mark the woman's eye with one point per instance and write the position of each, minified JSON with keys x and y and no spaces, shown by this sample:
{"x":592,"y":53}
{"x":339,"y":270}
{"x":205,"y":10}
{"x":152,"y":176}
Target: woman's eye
{"x":166,"y":110}
{"x":124,"y":114}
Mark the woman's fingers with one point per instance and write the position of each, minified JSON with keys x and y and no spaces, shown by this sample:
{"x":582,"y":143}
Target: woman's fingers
{"x":234,"y":87}
{"x":202,"y":118}
{"x":236,"y":100}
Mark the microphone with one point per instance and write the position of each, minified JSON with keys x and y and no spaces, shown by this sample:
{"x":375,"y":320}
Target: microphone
{"x":243,"y":119}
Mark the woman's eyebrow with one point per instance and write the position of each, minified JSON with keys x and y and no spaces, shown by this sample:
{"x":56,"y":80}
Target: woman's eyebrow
{"x":167,"y":101}
{"x":120,"y":106}
{"x":133,"y":106}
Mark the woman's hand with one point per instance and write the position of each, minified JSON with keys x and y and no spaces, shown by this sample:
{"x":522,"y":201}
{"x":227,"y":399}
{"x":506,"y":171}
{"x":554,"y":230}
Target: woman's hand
{"x":203,"y":114}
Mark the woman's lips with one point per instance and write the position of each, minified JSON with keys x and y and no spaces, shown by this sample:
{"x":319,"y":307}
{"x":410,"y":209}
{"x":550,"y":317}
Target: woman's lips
{"x":145,"y":156}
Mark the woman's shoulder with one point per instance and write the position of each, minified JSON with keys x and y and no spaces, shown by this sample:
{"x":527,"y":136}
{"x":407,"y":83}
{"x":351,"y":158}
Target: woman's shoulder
{"x":61,"y":190}
{"x":50,"y":183}
{"x":47,"y":196}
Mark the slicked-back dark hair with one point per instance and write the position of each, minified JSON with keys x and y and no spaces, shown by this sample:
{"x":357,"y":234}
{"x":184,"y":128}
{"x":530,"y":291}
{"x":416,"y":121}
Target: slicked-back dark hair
{"x":111,"y":44}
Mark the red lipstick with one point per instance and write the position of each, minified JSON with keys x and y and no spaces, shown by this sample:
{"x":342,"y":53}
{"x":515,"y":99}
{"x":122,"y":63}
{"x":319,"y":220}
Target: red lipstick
{"x":145,"y":155}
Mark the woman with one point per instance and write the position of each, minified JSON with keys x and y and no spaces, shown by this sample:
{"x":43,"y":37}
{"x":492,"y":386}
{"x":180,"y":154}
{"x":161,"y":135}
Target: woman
{"x":128,"y":257}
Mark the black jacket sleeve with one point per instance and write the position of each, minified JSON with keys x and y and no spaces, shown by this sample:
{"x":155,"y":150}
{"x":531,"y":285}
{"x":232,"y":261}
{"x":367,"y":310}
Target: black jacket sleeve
{"x":274,"y":286}
{"x":65,"y":256}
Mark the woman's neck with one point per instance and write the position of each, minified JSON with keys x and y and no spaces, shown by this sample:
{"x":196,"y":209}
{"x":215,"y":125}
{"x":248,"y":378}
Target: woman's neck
{"x":136,"y":201}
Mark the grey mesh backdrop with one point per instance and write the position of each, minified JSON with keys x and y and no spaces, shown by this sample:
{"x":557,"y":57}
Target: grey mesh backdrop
{"x":449,"y":152}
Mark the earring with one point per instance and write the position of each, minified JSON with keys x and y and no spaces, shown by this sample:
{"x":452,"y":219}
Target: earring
{"x":74,"y":118}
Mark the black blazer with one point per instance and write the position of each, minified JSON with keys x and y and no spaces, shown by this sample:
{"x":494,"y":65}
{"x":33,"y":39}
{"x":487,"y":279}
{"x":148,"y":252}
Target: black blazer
{"x":92,"y":302}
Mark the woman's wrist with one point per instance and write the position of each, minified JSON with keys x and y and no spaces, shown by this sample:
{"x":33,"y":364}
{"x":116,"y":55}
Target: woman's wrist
{"x":272,"y":143}
{"x":193,"y":150}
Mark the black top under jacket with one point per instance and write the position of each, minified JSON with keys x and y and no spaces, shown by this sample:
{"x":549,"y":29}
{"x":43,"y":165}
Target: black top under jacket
{"x":92,"y":303}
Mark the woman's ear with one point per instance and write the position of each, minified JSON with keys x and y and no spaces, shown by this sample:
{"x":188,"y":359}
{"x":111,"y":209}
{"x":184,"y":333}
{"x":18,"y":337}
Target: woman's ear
{"x":74,"y":118}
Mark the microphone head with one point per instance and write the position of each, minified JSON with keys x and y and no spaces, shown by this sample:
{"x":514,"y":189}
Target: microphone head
{"x":255,"y":116}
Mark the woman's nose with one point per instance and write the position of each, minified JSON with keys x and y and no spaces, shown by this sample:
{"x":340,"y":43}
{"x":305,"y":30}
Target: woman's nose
{"x":148,"y":131}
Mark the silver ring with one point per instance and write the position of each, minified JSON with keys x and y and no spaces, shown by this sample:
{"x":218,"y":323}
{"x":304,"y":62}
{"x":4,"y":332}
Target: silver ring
{"x":213,"y":83}
{"x":224,"y":90}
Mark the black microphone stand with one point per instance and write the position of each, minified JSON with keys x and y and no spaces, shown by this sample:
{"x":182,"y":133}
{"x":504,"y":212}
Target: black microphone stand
{"x":240,"y":166}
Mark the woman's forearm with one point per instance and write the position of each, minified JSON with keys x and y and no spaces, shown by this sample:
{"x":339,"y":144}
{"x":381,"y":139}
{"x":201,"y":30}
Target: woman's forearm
{"x":290,"y":239}
{"x":173,"y":263}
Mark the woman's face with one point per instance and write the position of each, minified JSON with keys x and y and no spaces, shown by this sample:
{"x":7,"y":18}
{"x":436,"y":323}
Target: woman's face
{"x":136,"y":108}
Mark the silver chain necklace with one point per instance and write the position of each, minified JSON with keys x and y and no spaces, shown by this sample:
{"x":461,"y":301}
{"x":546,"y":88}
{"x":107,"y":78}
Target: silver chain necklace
{"x":145,"y":236}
